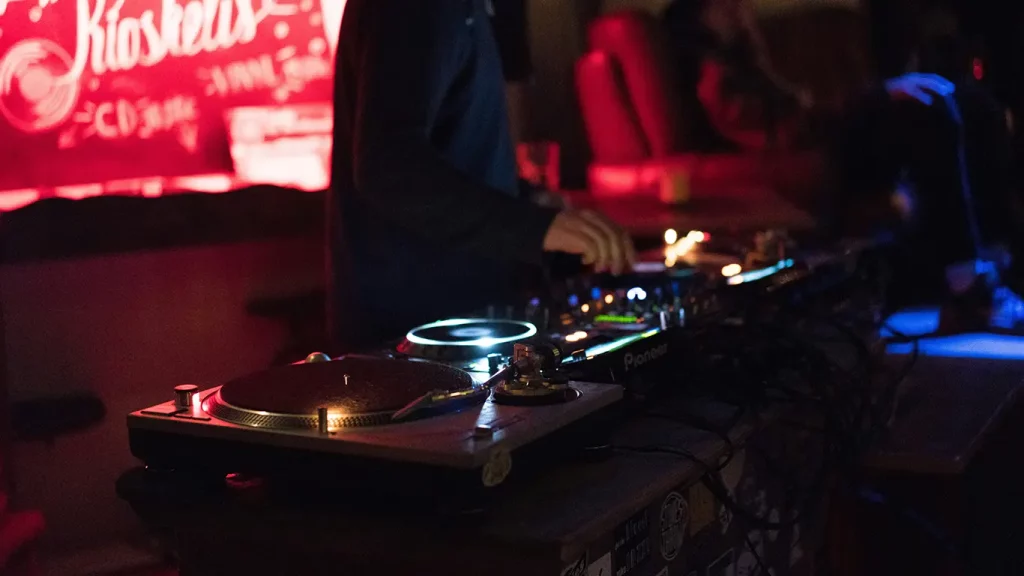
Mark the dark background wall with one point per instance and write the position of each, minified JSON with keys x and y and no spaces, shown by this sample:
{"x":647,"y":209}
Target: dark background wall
{"x":121,"y":299}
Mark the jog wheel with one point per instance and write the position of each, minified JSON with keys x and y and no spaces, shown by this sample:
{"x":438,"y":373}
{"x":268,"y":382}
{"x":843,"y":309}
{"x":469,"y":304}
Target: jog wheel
{"x":465,"y":339}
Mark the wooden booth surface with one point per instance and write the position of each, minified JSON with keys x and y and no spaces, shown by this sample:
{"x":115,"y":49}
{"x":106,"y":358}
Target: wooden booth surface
{"x":627,"y":514}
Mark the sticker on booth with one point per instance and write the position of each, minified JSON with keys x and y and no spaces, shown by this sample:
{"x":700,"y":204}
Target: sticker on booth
{"x":674,"y":519}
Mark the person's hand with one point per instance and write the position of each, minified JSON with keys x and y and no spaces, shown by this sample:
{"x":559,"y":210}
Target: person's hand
{"x":594,"y":237}
{"x":920,"y":87}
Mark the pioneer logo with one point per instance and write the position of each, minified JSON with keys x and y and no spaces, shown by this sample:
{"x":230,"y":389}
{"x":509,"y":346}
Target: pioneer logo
{"x":637,"y":360}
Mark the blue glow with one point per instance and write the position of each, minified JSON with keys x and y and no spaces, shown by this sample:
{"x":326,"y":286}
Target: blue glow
{"x":988,"y":346}
{"x":913,"y":322}
{"x":595,"y":293}
{"x":922,"y":321}
{"x":574,"y":300}
{"x":607,"y":347}
{"x":755,"y":275}
{"x":535,"y":302}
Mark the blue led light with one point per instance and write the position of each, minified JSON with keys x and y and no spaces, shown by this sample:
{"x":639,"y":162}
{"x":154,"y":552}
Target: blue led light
{"x":923,"y":321}
{"x":607,"y":347}
{"x":595,"y":293}
{"x":574,"y":300}
{"x":755,"y":275}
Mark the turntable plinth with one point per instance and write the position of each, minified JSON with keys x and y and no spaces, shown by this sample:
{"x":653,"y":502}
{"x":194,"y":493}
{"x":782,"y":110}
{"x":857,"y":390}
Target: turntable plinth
{"x":544,"y":527}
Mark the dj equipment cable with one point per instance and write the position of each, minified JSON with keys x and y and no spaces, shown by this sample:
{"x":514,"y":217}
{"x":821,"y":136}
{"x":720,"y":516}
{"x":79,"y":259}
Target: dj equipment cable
{"x":698,"y":423}
{"x":888,"y":400}
{"x":838,"y":427}
{"x":761,"y":568}
{"x":748,"y":381}
{"x":711,"y":479}
{"x":773,"y":362}
{"x":953,"y":108}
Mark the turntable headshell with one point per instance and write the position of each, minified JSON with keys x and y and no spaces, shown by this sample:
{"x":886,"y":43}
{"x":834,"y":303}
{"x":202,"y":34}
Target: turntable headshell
{"x":533,"y":378}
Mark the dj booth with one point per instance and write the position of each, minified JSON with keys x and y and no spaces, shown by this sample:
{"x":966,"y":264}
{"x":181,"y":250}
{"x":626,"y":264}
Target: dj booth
{"x":621,"y":513}
{"x":616,"y":428}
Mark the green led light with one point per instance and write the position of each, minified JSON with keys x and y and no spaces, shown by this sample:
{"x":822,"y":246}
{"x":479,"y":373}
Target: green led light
{"x":611,"y":319}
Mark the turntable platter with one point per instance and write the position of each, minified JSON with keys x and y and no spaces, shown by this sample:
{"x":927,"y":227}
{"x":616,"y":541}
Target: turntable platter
{"x":465,"y":339}
{"x":356,"y":390}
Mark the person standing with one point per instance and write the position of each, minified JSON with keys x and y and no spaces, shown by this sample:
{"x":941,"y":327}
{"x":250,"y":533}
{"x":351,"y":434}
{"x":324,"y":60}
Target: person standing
{"x":426,"y":216}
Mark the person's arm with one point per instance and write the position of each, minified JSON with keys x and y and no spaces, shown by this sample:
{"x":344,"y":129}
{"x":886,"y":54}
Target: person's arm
{"x":411,"y":54}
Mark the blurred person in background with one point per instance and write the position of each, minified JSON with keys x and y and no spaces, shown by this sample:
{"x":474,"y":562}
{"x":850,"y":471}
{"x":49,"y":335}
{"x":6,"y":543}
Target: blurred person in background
{"x":934,"y":144}
{"x":929,"y":145}
{"x":738,"y":100}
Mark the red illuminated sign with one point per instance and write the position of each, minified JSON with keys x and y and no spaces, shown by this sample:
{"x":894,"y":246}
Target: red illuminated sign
{"x":100,"y":90}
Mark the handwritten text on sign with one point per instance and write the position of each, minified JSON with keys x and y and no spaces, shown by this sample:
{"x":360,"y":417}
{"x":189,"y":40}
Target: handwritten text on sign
{"x":144,"y":118}
{"x":111,"y":42}
{"x":54,"y":83}
{"x":285,"y":73}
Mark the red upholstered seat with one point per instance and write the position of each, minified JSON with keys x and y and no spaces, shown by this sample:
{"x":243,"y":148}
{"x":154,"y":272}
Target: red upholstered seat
{"x":634,"y":117}
{"x":19,"y":530}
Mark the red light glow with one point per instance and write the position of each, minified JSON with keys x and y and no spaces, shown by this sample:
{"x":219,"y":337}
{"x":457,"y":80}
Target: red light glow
{"x":102,"y":97}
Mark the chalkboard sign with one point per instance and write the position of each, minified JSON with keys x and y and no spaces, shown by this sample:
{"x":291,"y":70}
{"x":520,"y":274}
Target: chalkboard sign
{"x":100,"y":90}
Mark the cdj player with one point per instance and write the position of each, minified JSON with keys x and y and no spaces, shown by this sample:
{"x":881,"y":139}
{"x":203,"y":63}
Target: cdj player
{"x":605,"y":329}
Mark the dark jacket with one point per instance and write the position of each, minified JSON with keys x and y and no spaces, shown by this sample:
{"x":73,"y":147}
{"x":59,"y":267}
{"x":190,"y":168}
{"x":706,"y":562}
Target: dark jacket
{"x":426,"y":218}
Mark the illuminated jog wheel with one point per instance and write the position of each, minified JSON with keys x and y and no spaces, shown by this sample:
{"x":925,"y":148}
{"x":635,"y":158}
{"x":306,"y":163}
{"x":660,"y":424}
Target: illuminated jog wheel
{"x":356,"y":391}
{"x":465,"y":339}
{"x":37,"y":92}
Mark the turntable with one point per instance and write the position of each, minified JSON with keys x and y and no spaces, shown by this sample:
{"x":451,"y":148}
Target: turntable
{"x":324,"y":414}
{"x":466,"y":339}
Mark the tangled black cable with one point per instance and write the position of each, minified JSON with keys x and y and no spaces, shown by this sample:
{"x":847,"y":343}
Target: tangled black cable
{"x":771,"y":363}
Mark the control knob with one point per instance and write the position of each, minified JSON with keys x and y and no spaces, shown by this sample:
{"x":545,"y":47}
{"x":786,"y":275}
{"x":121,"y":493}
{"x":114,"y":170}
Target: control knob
{"x":316,"y":357}
{"x":183,"y":395}
{"x":493,"y":363}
